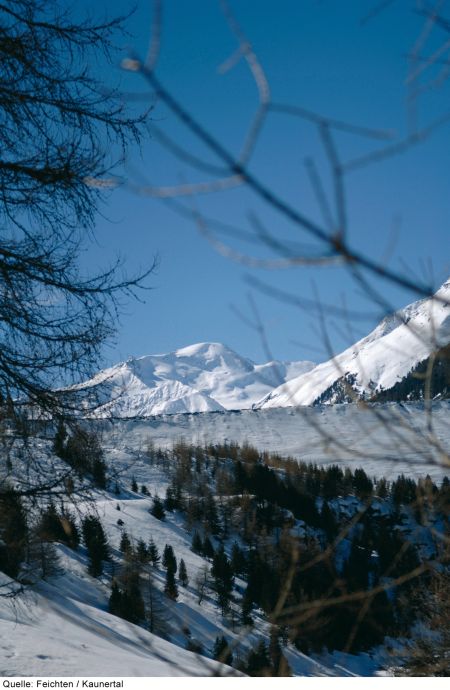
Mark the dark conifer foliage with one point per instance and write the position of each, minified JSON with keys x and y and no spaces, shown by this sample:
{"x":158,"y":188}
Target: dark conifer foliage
{"x":170,"y":587}
{"x":169,"y":561}
{"x":13,"y":532}
{"x":84,"y":453}
{"x":197,"y":543}
{"x":258,"y":661}
{"x":182,"y":574}
{"x":153,"y":553}
{"x":125,"y":543}
{"x":222,"y":651}
{"x":268,"y":500}
{"x":208,"y":548}
{"x":157,"y":509}
{"x":58,"y":527}
{"x":127,"y":601}
{"x":222,"y":574}
{"x":97,"y":545}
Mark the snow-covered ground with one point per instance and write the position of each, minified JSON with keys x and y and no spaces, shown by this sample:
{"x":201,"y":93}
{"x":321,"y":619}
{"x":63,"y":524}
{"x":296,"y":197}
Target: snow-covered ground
{"x":62,"y":627}
{"x":385,"y":439}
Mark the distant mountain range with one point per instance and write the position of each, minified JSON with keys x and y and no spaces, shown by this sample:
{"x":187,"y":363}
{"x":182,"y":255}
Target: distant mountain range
{"x":388,"y":364}
{"x":207,"y":377}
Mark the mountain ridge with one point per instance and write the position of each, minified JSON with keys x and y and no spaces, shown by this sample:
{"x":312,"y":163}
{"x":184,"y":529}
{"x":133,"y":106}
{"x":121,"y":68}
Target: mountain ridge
{"x":204,"y":377}
{"x":211,"y":377}
{"x":376,"y":363}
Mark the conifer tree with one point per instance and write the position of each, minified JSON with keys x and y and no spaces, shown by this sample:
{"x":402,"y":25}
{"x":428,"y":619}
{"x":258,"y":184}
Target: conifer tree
{"x":238,"y":559}
{"x":197,"y":543}
{"x":182,"y":574}
{"x":208,"y":548}
{"x":221,"y":650}
{"x":170,"y":587}
{"x":153,"y":553}
{"x":157,"y":509}
{"x":169,"y":561}
{"x":115,"y":600}
{"x":13,"y":532}
{"x":96,"y":543}
{"x":125,"y":543}
{"x":280,"y":666}
{"x":222,"y":573}
{"x":247,"y":608}
{"x":258,"y":661}
{"x":328,"y":522}
{"x":142,"y":552}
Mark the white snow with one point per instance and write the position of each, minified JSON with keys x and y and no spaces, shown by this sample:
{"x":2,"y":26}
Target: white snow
{"x":63,"y":629}
{"x":204,"y":377}
{"x":379,"y":360}
{"x":386,"y":439}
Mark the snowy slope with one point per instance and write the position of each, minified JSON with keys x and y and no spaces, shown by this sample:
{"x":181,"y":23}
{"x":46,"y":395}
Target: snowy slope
{"x":386,"y":438}
{"x":62,"y":627}
{"x":379,"y":360}
{"x":205,"y":377}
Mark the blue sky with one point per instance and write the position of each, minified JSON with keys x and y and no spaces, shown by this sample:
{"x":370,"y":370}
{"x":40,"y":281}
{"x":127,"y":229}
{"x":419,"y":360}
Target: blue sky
{"x":318,"y":54}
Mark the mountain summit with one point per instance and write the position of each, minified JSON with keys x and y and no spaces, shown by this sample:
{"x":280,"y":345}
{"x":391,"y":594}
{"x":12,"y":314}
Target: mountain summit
{"x":204,"y":377}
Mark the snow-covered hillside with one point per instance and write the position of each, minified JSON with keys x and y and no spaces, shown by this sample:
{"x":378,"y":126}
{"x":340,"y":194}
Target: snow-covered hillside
{"x":378,"y":361}
{"x":386,"y":439}
{"x":62,"y":627}
{"x":205,"y":377}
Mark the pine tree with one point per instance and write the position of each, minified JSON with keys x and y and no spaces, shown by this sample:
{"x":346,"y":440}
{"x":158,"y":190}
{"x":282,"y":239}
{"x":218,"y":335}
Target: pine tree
{"x":96,"y":543}
{"x":169,"y":561}
{"x":197,"y":543}
{"x":50,"y":527}
{"x":157,"y":509}
{"x":280,"y":666}
{"x":238,"y":559}
{"x":182,"y":574}
{"x":72,"y":533}
{"x":142,"y":552}
{"x":115,"y":600}
{"x":208,"y":548}
{"x":125,"y":543}
{"x":258,"y":661}
{"x":223,"y":579}
{"x":98,"y":470}
{"x":221,"y":651}
{"x":13,"y":532}
{"x":153,"y":553}
{"x":170,"y":502}
{"x":155,"y":608}
{"x":247,"y":608}
{"x":170,"y":587}
{"x":134,"y":486}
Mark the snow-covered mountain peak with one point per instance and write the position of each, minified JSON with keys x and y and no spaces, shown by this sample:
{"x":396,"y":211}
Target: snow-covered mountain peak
{"x":204,"y":377}
{"x":377,"y":362}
